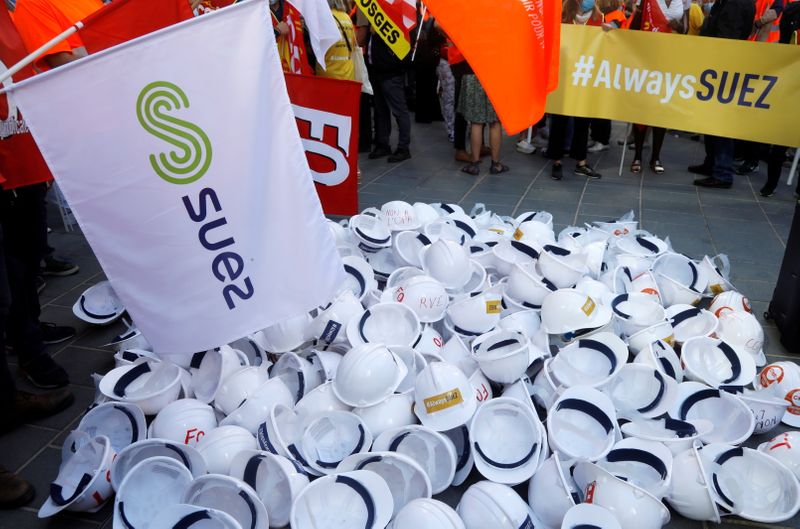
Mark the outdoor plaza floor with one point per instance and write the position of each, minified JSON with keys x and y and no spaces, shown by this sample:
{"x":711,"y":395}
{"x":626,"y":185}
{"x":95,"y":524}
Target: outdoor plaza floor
{"x":752,"y":230}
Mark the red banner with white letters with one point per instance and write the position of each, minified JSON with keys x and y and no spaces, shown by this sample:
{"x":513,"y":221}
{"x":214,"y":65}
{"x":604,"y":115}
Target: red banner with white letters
{"x":326,"y":111}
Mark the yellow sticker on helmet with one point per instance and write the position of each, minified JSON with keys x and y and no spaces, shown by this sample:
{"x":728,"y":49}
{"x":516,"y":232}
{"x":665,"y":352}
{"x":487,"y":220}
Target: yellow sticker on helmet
{"x":589,"y":306}
{"x":445,"y":400}
{"x":716,"y":289}
{"x":494,"y":307}
{"x":518,"y":234}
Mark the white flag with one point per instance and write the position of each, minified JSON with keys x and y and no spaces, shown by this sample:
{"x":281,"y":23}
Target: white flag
{"x":323,"y":31}
{"x":180,"y":157}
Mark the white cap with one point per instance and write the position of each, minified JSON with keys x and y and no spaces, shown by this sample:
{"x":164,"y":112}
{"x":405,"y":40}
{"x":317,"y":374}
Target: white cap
{"x":98,"y":305}
{"x":424,"y":513}
{"x":184,"y":421}
{"x":444,"y":397}
{"x":187,"y":455}
{"x":368,"y":374}
{"x":432,"y":450}
{"x":229,"y":495}
{"x":582,"y":424}
{"x":150,"y":385}
{"x":220,"y":445}
{"x":121,"y":422}
{"x":331,"y":437}
{"x":486,"y":504}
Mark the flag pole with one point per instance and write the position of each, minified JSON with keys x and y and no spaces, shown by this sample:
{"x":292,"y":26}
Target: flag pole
{"x":43,"y":48}
{"x":419,"y":30}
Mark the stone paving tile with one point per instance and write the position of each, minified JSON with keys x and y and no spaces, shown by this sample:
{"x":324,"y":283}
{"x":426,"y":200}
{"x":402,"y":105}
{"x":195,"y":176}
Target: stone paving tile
{"x":27,"y":519}
{"x":80,"y":363}
{"x":19,"y":446}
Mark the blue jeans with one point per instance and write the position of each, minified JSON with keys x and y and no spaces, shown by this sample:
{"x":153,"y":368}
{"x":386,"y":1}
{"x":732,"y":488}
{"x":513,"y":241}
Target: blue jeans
{"x":719,"y":156}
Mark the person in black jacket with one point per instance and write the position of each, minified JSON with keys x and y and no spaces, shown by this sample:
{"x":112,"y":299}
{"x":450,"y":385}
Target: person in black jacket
{"x":728,"y":19}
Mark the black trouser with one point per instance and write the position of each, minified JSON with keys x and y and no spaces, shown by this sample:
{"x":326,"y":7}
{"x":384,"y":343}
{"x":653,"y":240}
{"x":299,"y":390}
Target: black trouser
{"x":390,"y":99}
{"x":427,"y":109}
{"x":7,"y":388}
{"x":558,"y":135}
{"x":460,"y":125}
{"x":23,"y":217}
{"x":601,"y":130}
{"x":365,"y":123}
{"x":777,"y":156}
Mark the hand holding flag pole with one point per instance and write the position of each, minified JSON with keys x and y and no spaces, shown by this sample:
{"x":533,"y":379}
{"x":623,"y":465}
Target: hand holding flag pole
{"x":419,"y":30}
{"x":31,"y":57}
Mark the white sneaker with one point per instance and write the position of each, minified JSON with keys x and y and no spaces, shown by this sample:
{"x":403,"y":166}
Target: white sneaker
{"x":597,"y":147}
{"x":525,"y":147}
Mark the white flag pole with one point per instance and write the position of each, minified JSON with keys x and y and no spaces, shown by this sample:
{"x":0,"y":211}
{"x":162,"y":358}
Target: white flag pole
{"x":43,"y":48}
{"x":419,"y":31}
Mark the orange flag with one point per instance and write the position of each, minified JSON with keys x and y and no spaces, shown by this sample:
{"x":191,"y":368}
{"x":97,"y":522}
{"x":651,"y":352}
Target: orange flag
{"x":513,"y":48}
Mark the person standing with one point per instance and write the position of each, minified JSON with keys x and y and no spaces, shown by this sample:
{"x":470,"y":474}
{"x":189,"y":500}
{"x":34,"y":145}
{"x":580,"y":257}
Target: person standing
{"x":476,"y":108}
{"x":339,"y":58}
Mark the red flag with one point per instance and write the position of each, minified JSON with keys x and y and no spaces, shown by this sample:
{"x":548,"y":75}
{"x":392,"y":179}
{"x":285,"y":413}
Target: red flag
{"x":326,"y":111}
{"x":123,"y":20}
{"x":21,"y":163}
{"x":512,"y":46}
{"x":653,"y":18}
{"x":298,"y":56}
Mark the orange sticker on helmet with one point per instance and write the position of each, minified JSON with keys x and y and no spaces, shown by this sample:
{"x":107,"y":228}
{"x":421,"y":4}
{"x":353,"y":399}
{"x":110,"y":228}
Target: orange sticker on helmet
{"x":771,"y":374}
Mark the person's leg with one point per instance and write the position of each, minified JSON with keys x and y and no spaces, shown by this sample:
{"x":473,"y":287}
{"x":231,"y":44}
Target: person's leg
{"x":394,"y":93}
{"x":475,"y":141}
{"x":639,"y":133}
{"x":555,"y":143}
{"x":777,"y":155}
{"x":723,"y":160}
{"x":601,"y":134}
{"x":580,"y":137}
{"x":708,"y":162}
{"x":446,"y":96}
{"x":495,"y":139}
{"x":459,"y":123}
{"x":658,"y":141}
{"x":383,"y":121}
{"x":365,"y":124}
{"x":750,"y":151}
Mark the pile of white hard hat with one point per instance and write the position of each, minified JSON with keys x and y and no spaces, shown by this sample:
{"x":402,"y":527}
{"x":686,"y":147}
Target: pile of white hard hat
{"x":608,"y":373}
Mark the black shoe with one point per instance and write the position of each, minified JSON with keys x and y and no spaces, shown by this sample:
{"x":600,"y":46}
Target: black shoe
{"x":588,"y":172}
{"x":766,"y":192}
{"x":44,"y":372}
{"x":58,"y":267}
{"x":747,"y":168}
{"x":40,"y":284}
{"x":379,"y":152}
{"x":399,"y":156}
{"x":701,"y":169}
{"x":14,"y":491}
{"x":52,"y":333}
{"x":29,"y":407}
{"x":713,"y":182}
{"x":557,"y":172}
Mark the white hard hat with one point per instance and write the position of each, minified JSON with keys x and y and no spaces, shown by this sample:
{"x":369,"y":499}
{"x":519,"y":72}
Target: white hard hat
{"x":446,"y":229}
{"x":276,"y":479}
{"x":319,"y":400}
{"x":634,"y":507}
{"x":340,"y":234}
{"x":645,"y":283}
{"x":768,"y":407}
{"x":83,"y":482}
{"x":371,"y":232}
{"x":679,"y":279}
{"x":743,"y":332}
{"x":475,"y":313}
{"x":507,"y":253}
{"x":639,"y":390}
{"x":690,"y":494}
{"x":522,"y":390}
{"x":395,"y":411}
{"x":368,"y":374}
{"x":552,"y":492}
{"x":617,"y":228}
{"x":430,"y":342}
{"x":528,"y":322}
{"x":121,"y":422}
{"x":590,"y":361}
{"x":280,"y":431}
{"x":690,"y":322}
{"x":326,"y":361}
{"x":98,"y":305}
{"x":407,"y":247}
{"x":782,"y":448}
{"x":130,"y":338}
{"x":503,"y":356}
{"x":570,"y":313}
{"x":387,"y":323}
{"x":562,"y":267}
{"x":589,"y":515}
{"x":151,"y":486}
{"x":486,"y":504}
{"x":660,"y":355}
{"x":384,"y":263}
{"x":646,"y":464}
{"x":128,"y":458}
{"x":253,"y":347}
{"x":359,"y":276}
{"x":229,"y":495}
{"x":465,"y":460}
{"x":432,"y":450}
{"x":715,"y":363}
{"x":209,"y":368}
{"x":255,"y":409}
{"x":182,"y":516}
{"x":401,"y":275}
{"x":288,"y":334}
{"x":544,"y":217}
{"x":718,"y":276}
{"x":546,"y":389}
{"x":424,"y":513}
{"x":406,"y":479}
{"x":463,"y":222}
{"x":444,"y":397}
{"x":238,"y":386}
{"x":424,"y":295}
{"x":457,"y":351}
{"x":126,"y":357}
{"x":481,"y":253}
{"x":426,"y":212}
{"x":751,"y":484}
{"x":582,"y":424}
{"x":344,"y":501}
{"x":150,"y":385}
{"x":660,"y":331}
{"x":729,"y":301}
{"x":298,"y":373}
{"x":641,"y":246}
{"x":732,"y":419}
{"x":184,"y":421}
{"x":399,"y":216}
{"x":527,"y":287}
{"x":786,"y":376}
{"x":676,"y":435}
{"x":636,"y":312}
{"x":480,"y":383}
{"x":330,"y":324}
{"x":507,"y":437}
{"x":535,"y":232}
{"x":447,"y":262}
{"x":331,"y":437}
{"x":220,"y":445}
{"x":595,"y":289}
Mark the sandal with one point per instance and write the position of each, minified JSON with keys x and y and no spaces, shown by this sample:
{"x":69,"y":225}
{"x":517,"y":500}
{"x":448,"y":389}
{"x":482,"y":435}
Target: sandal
{"x":473,"y":168}
{"x":636,"y":167}
{"x":657,"y":167}
{"x":498,"y":168}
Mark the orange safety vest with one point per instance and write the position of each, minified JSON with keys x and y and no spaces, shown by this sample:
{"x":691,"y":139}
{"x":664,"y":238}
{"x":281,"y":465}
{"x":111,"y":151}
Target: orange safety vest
{"x":775,"y":28}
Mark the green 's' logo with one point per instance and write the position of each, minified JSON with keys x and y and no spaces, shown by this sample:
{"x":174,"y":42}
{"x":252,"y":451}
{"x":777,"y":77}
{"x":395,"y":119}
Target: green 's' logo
{"x":192,"y":156}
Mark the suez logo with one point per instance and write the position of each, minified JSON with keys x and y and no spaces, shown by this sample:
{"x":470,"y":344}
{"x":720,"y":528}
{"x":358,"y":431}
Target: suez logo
{"x":190,"y":160}
{"x":742,"y":89}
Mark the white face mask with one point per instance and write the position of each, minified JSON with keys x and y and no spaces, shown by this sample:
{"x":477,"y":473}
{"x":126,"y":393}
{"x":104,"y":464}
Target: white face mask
{"x":582,"y":18}
{"x":707,"y":7}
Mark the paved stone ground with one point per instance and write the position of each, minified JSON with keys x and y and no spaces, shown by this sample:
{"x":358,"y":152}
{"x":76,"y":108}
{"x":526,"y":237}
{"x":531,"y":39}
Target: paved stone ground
{"x":750,"y":229}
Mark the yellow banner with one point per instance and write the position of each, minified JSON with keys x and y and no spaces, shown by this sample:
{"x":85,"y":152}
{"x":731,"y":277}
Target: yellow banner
{"x":385,"y":27}
{"x":729,"y":88}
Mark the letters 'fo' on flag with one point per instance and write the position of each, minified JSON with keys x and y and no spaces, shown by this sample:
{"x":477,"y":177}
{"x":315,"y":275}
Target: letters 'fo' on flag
{"x":182,"y":162}
{"x":512,"y":46}
{"x":392,"y":21}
